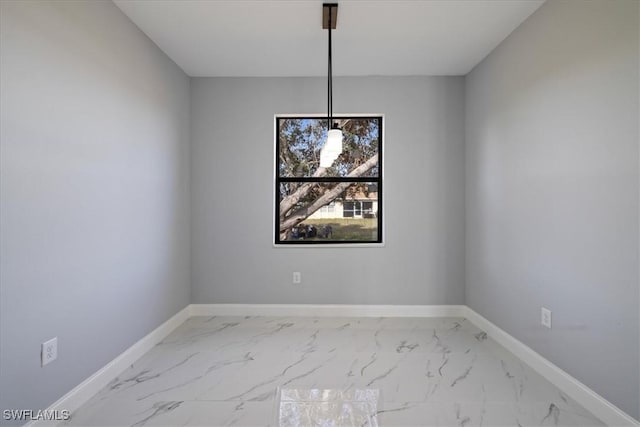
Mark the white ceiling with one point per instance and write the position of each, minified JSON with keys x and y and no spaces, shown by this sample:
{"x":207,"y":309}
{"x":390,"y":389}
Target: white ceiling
{"x":285,"y":37}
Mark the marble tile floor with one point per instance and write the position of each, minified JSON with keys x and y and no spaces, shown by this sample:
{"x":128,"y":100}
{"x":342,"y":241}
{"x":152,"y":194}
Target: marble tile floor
{"x":230,"y":371}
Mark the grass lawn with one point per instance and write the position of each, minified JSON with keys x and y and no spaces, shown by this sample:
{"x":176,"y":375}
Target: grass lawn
{"x":348,"y":228}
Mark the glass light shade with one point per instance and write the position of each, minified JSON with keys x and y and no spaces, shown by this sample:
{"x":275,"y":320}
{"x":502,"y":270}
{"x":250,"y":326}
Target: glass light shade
{"x":334,"y":141}
{"x":331,"y":148}
{"x":326,"y":160}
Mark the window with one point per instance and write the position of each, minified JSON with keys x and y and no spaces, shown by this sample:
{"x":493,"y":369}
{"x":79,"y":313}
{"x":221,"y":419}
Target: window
{"x":358,"y":209}
{"x":338,"y":204}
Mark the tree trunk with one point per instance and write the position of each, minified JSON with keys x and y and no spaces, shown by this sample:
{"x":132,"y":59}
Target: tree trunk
{"x":288,"y":202}
{"x":303,"y":213}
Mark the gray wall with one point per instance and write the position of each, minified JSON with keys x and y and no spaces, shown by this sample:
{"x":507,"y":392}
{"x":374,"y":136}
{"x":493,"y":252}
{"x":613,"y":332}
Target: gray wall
{"x":552,"y":190}
{"x":94,"y":192}
{"x":232,"y":194}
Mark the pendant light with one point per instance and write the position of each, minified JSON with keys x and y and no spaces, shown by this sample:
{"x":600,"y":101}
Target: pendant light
{"x":333,"y":145}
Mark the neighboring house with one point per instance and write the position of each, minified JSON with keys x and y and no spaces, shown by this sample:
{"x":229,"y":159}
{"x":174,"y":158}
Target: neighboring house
{"x":358,"y":205}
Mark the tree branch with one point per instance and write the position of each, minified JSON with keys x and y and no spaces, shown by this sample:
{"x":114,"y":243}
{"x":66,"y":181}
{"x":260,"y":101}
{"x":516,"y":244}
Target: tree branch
{"x":288,"y":202}
{"x":303,"y":213}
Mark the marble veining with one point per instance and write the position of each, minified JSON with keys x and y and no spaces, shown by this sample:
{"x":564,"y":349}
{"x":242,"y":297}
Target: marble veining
{"x":227,"y":371}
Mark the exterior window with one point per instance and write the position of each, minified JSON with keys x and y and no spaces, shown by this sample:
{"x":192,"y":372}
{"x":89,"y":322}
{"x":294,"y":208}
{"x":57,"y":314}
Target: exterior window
{"x":359,"y":209}
{"x":341,"y":203}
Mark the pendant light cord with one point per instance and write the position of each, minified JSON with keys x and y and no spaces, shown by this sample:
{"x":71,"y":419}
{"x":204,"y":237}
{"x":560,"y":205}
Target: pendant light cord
{"x":329,"y":81}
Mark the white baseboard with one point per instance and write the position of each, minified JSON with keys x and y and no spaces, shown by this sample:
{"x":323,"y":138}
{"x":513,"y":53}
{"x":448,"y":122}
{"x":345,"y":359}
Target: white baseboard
{"x":596,"y":404}
{"x":323,"y":310}
{"x":600,"y":407}
{"x":92,"y":385}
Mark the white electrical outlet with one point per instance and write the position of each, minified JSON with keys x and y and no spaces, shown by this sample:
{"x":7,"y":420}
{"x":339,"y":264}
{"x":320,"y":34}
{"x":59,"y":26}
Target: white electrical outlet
{"x":49,"y":351}
{"x":545,"y":317}
{"x":297,"y":277}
